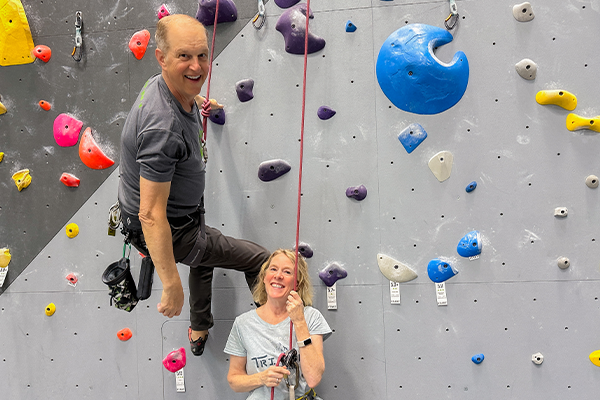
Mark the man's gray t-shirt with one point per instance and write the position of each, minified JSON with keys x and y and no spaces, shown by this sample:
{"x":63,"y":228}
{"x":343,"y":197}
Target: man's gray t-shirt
{"x":161,"y":142}
{"x":262,"y":343}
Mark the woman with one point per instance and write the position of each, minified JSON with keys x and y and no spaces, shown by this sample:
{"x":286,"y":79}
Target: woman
{"x":259,"y":336}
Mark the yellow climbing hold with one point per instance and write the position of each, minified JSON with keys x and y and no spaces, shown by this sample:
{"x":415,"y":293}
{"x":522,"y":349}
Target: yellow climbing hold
{"x":16,"y":43}
{"x":595,"y":358}
{"x":4,"y":257}
{"x":576,"y":122}
{"x":72,"y":230}
{"x":1,"y":156}
{"x":22,"y":179}
{"x":560,"y":98}
{"x":50,"y":309}
{"x":2,"y":109}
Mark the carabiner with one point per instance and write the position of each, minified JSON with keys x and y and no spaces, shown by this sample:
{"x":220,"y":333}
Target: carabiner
{"x":453,"y":17}
{"x":260,"y":15}
{"x":78,"y":40}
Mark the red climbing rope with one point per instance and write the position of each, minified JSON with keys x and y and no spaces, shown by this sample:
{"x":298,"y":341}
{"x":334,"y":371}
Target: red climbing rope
{"x":212,"y":49}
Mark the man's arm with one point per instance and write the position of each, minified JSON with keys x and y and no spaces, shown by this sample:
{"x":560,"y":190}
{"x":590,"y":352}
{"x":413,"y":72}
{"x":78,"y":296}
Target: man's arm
{"x":157,"y":233}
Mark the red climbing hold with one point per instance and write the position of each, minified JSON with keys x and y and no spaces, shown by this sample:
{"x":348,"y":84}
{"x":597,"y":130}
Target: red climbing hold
{"x":45,"y":105}
{"x":91,"y":154}
{"x":69,"y":180}
{"x":72,"y":279}
{"x":124,"y":334}
{"x":139,"y":43}
{"x":42,"y":52}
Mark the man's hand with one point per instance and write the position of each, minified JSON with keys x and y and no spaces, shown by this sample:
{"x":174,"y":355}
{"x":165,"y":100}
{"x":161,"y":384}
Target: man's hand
{"x":205,"y":106}
{"x":171,"y":302}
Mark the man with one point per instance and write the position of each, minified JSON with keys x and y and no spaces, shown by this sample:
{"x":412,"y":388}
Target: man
{"x":162,"y":177}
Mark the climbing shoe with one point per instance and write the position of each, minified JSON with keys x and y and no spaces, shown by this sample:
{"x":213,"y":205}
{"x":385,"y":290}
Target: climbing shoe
{"x":198,"y":344}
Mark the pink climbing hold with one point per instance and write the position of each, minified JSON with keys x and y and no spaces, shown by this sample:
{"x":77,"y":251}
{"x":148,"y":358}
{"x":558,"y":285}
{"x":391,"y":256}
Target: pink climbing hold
{"x":139,"y":43}
{"x":91,"y":154}
{"x":175,"y":360}
{"x":66,"y":130}
{"x":163,"y":11}
{"x":69,"y":180}
{"x":42,"y":52}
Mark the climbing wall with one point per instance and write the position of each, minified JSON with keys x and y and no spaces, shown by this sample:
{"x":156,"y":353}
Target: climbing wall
{"x":507,"y":305}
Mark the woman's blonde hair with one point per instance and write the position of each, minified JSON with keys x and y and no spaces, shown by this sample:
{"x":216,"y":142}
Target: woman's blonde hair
{"x":305,"y":289}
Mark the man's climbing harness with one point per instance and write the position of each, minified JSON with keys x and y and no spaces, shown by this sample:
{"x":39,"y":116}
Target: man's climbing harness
{"x":452,"y":19}
{"x":259,"y":19}
{"x":77,"y":49}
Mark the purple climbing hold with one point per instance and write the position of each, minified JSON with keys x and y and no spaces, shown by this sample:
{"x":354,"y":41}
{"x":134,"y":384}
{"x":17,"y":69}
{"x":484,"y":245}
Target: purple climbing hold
{"x":286,"y":3}
{"x":325,"y":112}
{"x":332,"y":273}
{"x":292,"y":25}
{"x":206,"y":11}
{"x":305,"y":250}
{"x":273,"y":169}
{"x":357,"y":192}
{"x":217,"y":116}
{"x":244,"y":90}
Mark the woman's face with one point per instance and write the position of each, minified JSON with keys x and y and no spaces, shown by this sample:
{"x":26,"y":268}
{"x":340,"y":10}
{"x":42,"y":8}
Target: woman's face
{"x":279,"y":279}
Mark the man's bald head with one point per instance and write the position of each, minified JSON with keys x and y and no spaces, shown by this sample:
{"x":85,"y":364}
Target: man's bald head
{"x":164,"y":24}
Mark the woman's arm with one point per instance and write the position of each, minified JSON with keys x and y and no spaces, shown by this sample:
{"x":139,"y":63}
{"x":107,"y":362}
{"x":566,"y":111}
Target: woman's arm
{"x":240,"y":381}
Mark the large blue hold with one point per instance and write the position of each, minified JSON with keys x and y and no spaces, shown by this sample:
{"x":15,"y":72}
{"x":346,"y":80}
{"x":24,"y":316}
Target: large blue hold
{"x":440,"y":271}
{"x":470,"y":244}
{"x":413,"y":78}
{"x":412,"y":136}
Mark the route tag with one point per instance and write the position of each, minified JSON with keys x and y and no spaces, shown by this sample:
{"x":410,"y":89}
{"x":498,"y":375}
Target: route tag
{"x":440,"y":291}
{"x":395,"y":292}
{"x":180,"y":381}
{"x":3,"y":272}
{"x":474,"y":257}
{"x":332,"y":297}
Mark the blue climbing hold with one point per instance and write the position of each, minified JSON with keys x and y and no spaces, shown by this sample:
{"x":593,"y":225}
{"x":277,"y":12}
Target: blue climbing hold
{"x":330,"y":274}
{"x":413,"y":78}
{"x":273,"y":169}
{"x":470,"y":244}
{"x":471,"y":186}
{"x":350,"y":27}
{"x":412,"y":136}
{"x":440,"y":271}
{"x":477,"y":358}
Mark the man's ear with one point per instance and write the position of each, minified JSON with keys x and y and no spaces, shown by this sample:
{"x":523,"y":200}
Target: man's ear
{"x":160,"y":57}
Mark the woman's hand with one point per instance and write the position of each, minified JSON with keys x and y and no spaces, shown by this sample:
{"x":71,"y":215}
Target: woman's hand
{"x":272,"y":376}
{"x":295,"y":307}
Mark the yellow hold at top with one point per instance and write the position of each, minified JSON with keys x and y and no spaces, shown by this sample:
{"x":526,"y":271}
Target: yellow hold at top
{"x":16,"y":42}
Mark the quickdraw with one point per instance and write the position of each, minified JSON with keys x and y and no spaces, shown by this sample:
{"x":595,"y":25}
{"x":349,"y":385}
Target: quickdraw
{"x":77,"y":49}
{"x":114,"y":218}
{"x":260,"y":16}
{"x":452,"y":19}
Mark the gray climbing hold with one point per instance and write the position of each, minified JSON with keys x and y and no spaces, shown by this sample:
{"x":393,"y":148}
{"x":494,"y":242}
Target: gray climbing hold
{"x":217,"y":116}
{"x":273,"y":169}
{"x":441,"y":165}
{"x":357,"y":192}
{"x":523,"y":12}
{"x":325,"y":112}
{"x":526,"y":69}
{"x":412,"y":136}
{"x":350,"y":27}
{"x":332,"y":273}
{"x":537,"y":358}
{"x":244,"y":89}
{"x":592,"y":181}
{"x":207,"y":8}
{"x":305,"y":250}
{"x":561,"y":212}
{"x":563,"y":262}
{"x":292,"y":25}
{"x":286,"y":3}
{"x":394,"y":270}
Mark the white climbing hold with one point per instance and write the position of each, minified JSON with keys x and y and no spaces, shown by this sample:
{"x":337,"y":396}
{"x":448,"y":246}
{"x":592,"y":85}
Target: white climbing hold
{"x":592,"y":181}
{"x":441,"y":165}
{"x":537,"y":358}
{"x":394,"y":270}
{"x":523,"y":12}
{"x":561,"y":212}
{"x":563,"y":262}
{"x":526,"y":69}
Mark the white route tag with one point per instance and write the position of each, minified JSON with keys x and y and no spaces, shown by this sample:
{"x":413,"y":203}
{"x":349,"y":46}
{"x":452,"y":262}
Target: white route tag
{"x":474,"y":257}
{"x":395,"y":292}
{"x":180,"y":381}
{"x":332,"y":297}
{"x":3,"y":272}
{"x":440,"y":291}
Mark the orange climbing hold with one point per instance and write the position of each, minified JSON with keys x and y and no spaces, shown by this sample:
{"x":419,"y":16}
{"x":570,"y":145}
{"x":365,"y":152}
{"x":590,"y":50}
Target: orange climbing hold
{"x":69,"y":180}
{"x":42,"y":52}
{"x":139,"y":43}
{"x":45,"y":105}
{"x":91,"y":154}
{"x":124,"y":334}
